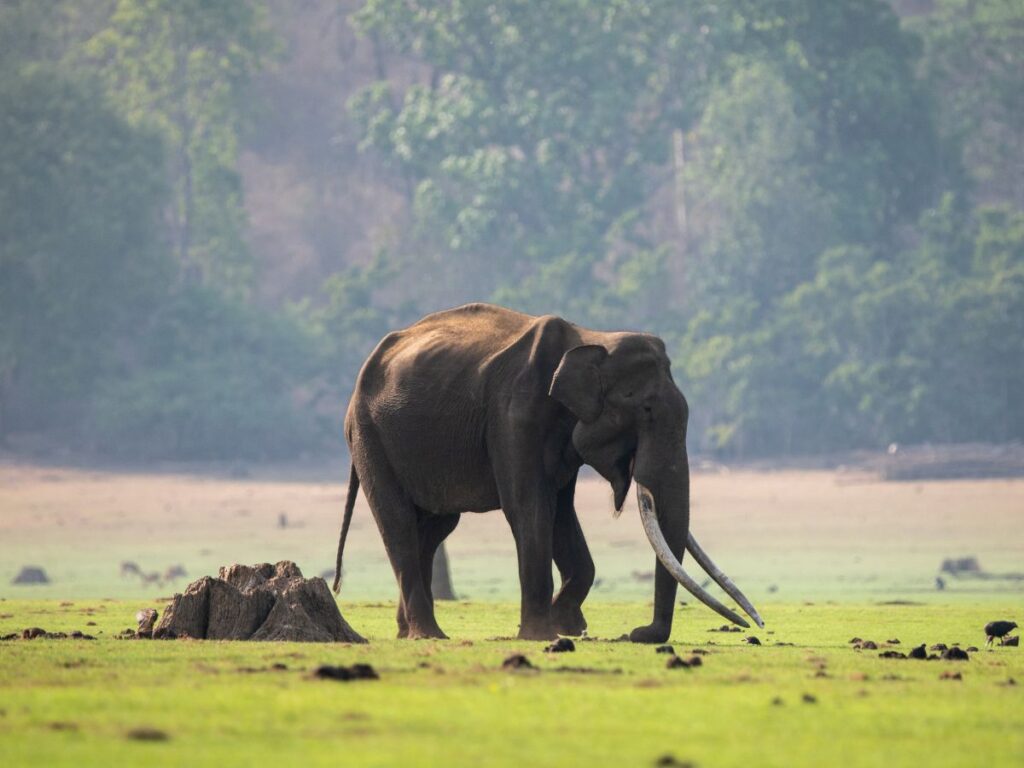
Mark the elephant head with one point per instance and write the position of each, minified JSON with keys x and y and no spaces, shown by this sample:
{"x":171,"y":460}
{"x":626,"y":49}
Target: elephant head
{"x":632,"y":426}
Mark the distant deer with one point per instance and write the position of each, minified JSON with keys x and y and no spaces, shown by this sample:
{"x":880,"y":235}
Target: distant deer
{"x":174,"y":572}
{"x":129,"y":568}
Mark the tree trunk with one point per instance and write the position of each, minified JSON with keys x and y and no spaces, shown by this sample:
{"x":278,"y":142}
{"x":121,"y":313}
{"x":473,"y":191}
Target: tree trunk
{"x":441,"y":579}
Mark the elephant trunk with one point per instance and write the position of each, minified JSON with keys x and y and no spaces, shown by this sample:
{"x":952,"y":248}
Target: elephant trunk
{"x":663,"y":495}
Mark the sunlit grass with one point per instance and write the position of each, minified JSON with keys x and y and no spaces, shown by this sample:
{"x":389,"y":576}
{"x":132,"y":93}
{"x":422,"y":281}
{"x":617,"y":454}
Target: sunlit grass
{"x":67,"y":702}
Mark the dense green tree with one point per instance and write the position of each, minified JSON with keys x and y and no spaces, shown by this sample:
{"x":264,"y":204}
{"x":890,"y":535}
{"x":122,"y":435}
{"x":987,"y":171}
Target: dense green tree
{"x":80,"y":252}
{"x":183,"y":67}
{"x":973,"y":61}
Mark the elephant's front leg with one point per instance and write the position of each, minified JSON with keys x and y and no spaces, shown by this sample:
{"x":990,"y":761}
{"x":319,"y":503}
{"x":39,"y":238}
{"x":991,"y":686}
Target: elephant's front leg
{"x":572,"y":557}
{"x":532,"y":525}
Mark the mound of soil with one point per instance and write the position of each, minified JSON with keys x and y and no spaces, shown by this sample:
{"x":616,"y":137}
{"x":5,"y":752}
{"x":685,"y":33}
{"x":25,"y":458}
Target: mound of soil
{"x":31,"y":574}
{"x":257,"y":602}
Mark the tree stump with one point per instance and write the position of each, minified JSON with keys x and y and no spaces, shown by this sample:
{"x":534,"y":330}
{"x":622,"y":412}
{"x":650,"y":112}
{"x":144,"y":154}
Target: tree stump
{"x":258,"y":602}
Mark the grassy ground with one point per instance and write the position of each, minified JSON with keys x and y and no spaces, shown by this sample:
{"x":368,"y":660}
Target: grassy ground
{"x":68,"y":702}
{"x":820,"y":553}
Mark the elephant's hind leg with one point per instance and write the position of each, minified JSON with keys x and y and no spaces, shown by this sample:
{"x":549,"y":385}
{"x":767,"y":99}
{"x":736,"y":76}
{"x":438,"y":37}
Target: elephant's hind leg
{"x":398,"y":523}
{"x":433,"y":530}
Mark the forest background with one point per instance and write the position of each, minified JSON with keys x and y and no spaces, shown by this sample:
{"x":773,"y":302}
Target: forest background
{"x":211,"y":211}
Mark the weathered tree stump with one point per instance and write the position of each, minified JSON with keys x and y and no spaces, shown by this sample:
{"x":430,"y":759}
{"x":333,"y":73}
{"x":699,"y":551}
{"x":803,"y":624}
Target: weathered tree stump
{"x":441,"y":576}
{"x":258,"y":602}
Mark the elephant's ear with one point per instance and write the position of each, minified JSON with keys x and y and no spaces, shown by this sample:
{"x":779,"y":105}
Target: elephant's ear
{"x":577,"y":381}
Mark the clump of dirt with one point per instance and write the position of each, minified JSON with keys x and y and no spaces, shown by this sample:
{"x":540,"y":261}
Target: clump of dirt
{"x":809,"y":698}
{"x":147,"y":734}
{"x":516,"y":661}
{"x":561,"y":645}
{"x":726,"y":628}
{"x":972,"y":649}
{"x":918,"y":653}
{"x":955,"y":654}
{"x":951,"y":676}
{"x":33,"y":632}
{"x":893,"y":641}
{"x":31,"y":574}
{"x":671,"y":761}
{"x":751,"y":640}
{"x":345,"y":674}
{"x":259,"y":602}
{"x":698,"y":652}
{"x":665,"y":649}
{"x":675,"y":662}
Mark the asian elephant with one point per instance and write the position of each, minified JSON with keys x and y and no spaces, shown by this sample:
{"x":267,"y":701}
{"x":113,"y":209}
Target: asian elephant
{"x":479,"y":408}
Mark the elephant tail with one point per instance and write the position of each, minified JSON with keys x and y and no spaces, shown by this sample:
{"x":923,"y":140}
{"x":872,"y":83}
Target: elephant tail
{"x":350,"y":502}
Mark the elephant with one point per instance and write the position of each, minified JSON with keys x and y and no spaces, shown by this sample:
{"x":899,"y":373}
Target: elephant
{"x":478,"y":408}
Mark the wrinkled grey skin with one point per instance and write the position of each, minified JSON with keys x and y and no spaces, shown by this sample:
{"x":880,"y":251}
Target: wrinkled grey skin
{"x":480,"y":408}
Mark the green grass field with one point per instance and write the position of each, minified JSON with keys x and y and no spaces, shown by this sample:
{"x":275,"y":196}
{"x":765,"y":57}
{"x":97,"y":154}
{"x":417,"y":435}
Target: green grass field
{"x":821,"y":554}
{"x":75,"y":702}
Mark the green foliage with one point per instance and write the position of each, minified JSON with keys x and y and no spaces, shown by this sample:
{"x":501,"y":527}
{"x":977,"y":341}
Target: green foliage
{"x":80,"y":256}
{"x":183,"y":67}
{"x":213,"y":379}
{"x":530,"y":150}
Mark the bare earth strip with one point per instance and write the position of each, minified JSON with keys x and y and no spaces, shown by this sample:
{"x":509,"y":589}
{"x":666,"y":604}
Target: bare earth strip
{"x":795,"y":535}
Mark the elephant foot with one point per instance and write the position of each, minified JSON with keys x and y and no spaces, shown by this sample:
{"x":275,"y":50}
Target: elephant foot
{"x":537,"y":630}
{"x":652,"y":633}
{"x":433,"y":633}
{"x":568,"y":620}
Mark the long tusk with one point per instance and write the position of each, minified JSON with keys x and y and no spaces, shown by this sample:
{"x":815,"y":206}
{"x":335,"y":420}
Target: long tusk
{"x":649,"y":518}
{"x":723,"y":581}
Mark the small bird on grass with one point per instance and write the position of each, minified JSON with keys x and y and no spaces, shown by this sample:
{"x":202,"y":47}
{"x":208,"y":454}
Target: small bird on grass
{"x":999,"y":629}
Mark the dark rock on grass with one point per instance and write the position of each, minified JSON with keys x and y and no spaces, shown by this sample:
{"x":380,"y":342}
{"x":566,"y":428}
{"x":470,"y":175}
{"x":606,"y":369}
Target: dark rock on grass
{"x":955,"y":654}
{"x":561,"y":645}
{"x":951,"y":676}
{"x":665,"y":649}
{"x":675,"y":662}
{"x":809,"y":698}
{"x":346,"y":674}
{"x":972,"y":649}
{"x":31,"y":574}
{"x":671,"y":761}
{"x":516,"y":661}
{"x":751,"y":640}
{"x":147,"y":734}
{"x":938,"y":647}
{"x":892,"y":655}
{"x":260,"y":602}
{"x":918,"y":653}
{"x":1011,"y":641}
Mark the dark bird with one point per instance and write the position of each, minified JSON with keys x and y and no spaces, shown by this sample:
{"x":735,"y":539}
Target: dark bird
{"x":996,"y":629}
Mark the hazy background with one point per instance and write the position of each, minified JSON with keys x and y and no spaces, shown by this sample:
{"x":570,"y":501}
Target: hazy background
{"x":211,"y":211}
